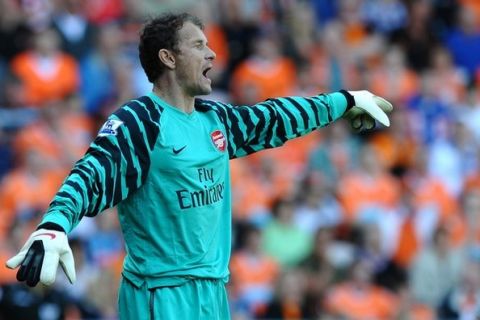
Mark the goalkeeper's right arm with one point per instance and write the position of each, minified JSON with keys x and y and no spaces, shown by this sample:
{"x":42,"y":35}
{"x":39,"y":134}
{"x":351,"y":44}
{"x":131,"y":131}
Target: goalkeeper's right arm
{"x":116,"y":164}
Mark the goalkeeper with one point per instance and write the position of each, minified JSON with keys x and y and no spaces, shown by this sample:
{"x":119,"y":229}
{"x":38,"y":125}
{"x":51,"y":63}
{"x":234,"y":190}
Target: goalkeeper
{"x":164,"y":160}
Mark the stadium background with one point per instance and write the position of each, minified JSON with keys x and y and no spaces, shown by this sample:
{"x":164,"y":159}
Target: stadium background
{"x":381,"y":225}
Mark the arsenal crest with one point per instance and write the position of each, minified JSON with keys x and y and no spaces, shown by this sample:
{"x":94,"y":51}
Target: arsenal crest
{"x":219,"y":140}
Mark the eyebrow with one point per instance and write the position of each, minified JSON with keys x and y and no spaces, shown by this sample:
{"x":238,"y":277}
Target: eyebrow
{"x":202,"y":41}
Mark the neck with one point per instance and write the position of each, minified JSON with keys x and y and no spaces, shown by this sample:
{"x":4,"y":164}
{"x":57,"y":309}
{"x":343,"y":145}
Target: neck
{"x":169,"y":91}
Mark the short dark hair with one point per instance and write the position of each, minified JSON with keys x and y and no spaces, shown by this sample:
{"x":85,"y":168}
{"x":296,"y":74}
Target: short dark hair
{"x":158,"y":33}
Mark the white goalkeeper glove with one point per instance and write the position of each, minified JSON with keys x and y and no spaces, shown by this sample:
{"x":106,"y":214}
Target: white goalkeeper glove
{"x":39,"y":258}
{"x":368,"y":108}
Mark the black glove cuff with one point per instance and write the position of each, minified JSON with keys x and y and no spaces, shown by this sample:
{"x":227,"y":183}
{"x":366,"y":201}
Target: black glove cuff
{"x":350,"y":99}
{"x":51,"y":226}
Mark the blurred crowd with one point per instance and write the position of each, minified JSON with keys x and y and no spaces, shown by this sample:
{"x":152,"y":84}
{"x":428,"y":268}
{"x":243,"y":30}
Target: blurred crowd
{"x":335,"y":225}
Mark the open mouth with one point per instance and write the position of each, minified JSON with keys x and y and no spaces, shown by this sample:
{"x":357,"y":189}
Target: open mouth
{"x":205,"y":72}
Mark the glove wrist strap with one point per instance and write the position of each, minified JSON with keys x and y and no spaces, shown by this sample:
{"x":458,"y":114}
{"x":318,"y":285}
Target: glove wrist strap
{"x":350,"y":99}
{"x":51,"y":226}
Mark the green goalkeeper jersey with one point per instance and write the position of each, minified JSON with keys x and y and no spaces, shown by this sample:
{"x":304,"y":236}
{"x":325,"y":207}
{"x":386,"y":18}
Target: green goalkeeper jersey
{"x":169,"y":173}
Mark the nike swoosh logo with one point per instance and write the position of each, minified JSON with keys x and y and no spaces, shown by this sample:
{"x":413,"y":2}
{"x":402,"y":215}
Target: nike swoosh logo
{"x":52,"y":235}
{"x":177,"y":151}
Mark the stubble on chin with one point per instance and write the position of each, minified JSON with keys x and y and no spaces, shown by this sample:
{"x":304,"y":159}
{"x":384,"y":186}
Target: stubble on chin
{"x":202,"y":90}
{"x":199,"y":91}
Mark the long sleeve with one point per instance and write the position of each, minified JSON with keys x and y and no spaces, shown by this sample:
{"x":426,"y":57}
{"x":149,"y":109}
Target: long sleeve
{"x":270,"y":123}
{"x":115,"y":165}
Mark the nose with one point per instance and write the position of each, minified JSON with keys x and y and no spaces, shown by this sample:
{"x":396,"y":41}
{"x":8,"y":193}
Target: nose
{"x":211,"y":55}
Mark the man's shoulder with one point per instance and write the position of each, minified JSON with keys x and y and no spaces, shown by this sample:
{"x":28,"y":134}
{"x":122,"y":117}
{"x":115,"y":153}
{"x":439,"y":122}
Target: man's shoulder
{"x":140,"y":117}
{"x":143,"y":103}
{"x":203,"y":105}
{"x":142,"y":108}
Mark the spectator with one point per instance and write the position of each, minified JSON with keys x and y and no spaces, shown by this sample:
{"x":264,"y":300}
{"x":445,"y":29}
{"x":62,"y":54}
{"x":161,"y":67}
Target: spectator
{"x":325,"y":10}
{"x":88,"y":274}
{"x":398,"y":146}
{"x":409,"y":308}
{"x":27,"y":191}
{"x":449,"y":81}
{"x":153,"y":7}
{"x":104,"y":12}
{"x":429,"y":193}
{"x":18,"y":302}
{"x":419,"y":37}
{"x":319,"y":206}
{"x":470,"y":110}
{"x":319,"y":270}
{"x":103,"y":294}
{"x":393,"y":79}
{"x":473,"y":6}
{"x":429,"y":115}
{"x":445,"y":14}
{"x":354,"y":32}
{"x":463,"y":139}
{"x":283,"y":167}
{"x":282,"y":240}
{"x":37,"y":14}
{"x":369,"y":191}
{"x":253,"y":198}
{"x":333,"y":64}
{"x":455,"y":153}
{"x":408,"y":234}
{"x":463,"y":301}
{"x":75,"y":31}
{"x":464,"y":41}
{"x":357,"y":45}
{"x":467,"y":233}
{"x":106,"y":247}
{"x":98,"y":86}
{"x":302,"y":31}
{"x":385,"y":16}
{"x":335,"y":155}
{"x":14,"y":33}
{"x":265,"y":74}
{"x":358,"y":298}
{"x":16,"y":232}
{"x":266,"y":182}
{"x":435,"y":270}
{"x":253,"y":274}
{"x":46,"y":72}
{"x":61,"y":134}
{"x":289,"y":302}
{"x":376,"y":252}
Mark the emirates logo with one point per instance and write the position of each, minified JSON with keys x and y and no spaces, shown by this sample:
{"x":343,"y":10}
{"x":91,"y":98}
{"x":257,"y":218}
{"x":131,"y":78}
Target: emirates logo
{"x":219,"y":140}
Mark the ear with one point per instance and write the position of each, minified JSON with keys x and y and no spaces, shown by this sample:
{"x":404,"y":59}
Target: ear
{"x":167,"y":58}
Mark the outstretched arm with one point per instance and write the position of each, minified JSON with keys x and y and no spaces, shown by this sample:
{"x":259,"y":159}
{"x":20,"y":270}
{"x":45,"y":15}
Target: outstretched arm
{"x":115,"y":165}
{"x":270,"y":123}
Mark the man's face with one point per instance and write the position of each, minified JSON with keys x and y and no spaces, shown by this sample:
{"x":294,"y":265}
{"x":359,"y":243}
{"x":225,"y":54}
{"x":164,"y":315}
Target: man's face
{"x":193,"y":61}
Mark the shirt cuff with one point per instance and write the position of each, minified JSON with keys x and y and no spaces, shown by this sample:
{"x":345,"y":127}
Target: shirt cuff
{"x":350,"y":99}
{"x":58,"y":219}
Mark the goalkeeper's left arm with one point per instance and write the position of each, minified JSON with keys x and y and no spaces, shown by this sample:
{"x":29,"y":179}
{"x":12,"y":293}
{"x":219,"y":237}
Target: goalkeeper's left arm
{"x":270,"y":123}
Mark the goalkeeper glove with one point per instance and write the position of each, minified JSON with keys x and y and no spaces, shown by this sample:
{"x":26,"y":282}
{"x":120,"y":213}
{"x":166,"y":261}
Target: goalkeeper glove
{"x":39,"y":258}
{"x":367,"y":108}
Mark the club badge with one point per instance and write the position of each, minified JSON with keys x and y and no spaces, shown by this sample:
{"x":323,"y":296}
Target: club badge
{"x":218,"y":139}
